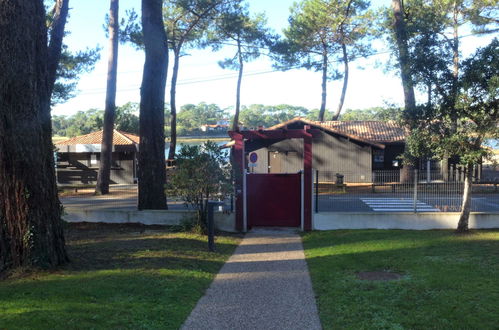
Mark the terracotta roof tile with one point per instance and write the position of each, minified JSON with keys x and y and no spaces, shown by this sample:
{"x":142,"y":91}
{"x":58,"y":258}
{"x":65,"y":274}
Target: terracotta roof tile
{"x":119,"y":138}
{"x":375,"y":131}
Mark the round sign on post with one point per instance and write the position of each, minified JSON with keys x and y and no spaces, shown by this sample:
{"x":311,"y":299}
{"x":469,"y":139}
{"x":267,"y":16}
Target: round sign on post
{"x":253,"y":157}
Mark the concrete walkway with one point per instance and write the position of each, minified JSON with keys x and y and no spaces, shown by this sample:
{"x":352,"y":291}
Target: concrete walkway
{"x":264,"y":285}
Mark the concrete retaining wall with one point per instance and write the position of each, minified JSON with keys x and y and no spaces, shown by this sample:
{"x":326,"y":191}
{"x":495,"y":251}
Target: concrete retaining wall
{"x":223,"y":221}
{"x":406,"y":220}
{"x":321,"y":221}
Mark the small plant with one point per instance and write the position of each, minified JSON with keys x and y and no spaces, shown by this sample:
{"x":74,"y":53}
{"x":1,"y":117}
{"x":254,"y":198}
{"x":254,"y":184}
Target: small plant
{"x":202,"y":173}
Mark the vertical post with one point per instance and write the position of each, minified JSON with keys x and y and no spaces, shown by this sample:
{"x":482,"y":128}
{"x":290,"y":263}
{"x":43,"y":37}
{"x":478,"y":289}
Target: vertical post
{"x":415,"y":197}
{"x":238,"y":158}
{"x":428,"y":171}
{"x":307,"y":167}
{"x":211,"y":227}
{"x":232,"y":202}
{"x":302,"y":199}
{"x":316,"y":191}
{"x":245,"y":200}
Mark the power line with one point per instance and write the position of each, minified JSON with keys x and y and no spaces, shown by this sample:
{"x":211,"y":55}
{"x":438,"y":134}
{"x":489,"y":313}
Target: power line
{"x":229,"y":76}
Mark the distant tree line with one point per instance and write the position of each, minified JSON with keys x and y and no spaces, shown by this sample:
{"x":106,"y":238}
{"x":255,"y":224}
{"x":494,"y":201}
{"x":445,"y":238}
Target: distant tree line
{"x":191,"y":117}
{"x":84,"y":122}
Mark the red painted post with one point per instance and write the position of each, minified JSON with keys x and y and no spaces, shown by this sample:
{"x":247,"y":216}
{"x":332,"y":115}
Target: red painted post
{"x":238,"y":154}
{"x":307,"y":179}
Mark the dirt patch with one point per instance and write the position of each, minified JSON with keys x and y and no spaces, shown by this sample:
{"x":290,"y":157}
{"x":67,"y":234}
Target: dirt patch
{"x":378,"y":276}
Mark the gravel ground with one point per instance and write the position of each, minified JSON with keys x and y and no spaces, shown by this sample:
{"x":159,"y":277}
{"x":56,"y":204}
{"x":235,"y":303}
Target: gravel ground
{"x":264,"y":285}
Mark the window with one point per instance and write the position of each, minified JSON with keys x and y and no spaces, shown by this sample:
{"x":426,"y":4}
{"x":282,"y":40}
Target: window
{"x":379,"y":156}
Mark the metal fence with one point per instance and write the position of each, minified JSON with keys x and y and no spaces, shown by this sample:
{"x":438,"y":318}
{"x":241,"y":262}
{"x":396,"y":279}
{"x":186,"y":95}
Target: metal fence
{"x":120,"y":197}
{"x":393,"y":191}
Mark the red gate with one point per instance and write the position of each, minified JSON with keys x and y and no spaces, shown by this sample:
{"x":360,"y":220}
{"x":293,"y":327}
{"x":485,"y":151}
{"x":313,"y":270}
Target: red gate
{"x":273,"y":200}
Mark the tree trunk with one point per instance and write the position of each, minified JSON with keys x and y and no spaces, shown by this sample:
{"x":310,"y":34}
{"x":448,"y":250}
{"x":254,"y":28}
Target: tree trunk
{"x":404,"y":56}
{"x":31,"y":229}
{"x":152,"y":171}
{"x":405,"y":72}
{"x":322,"y":110}
{"x":462,"y":225}
{"x":173,"y":105}
{"x":235,"y":123}
{"x":61,"y":9}
{"x":106,"y":154}
{"x":345,"y":82}
{"x":455,"y":71}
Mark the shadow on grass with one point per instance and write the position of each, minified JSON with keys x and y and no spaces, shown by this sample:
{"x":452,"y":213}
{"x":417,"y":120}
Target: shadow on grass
{"x":109,"y":299}
{"x":118,"y":277}
{"x":449,"y":281}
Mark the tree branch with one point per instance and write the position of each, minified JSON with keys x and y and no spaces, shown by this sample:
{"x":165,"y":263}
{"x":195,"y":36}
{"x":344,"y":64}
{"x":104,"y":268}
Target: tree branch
{"x":60,"y":14}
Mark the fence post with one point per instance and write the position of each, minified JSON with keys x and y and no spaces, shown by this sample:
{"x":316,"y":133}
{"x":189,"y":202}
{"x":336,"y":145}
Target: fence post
{"x":316,"y":191}
{"x":415,"y":195}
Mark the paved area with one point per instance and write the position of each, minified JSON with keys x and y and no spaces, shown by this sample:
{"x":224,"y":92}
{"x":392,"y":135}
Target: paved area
{"x":124,"y":202}
{"x":264,"y":285}
{"x":397,"y":205}
{"x":426,"y":202}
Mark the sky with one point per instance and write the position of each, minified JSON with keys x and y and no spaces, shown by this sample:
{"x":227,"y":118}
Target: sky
{"x":202,"y":80}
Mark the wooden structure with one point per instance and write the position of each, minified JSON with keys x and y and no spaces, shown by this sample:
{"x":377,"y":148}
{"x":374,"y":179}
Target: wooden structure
{"x":272,"y":198}
{"x":354,"y":149}
{"x":78,"y":158}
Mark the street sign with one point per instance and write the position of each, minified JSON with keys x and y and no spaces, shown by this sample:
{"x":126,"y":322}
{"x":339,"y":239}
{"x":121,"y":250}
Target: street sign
{"x":253,"y":157}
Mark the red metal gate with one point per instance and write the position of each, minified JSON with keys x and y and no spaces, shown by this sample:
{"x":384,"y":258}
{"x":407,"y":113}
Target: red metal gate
{"x":273,"y":200}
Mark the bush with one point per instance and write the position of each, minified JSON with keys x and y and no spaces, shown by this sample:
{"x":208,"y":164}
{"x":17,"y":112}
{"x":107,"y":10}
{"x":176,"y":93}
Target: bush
{"x":202,"y":173}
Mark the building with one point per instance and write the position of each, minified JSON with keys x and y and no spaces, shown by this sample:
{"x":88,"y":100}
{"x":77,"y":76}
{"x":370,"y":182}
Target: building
{"x":355,"y":149}
{"x":215,"y":128}
{"x":78,"y":159}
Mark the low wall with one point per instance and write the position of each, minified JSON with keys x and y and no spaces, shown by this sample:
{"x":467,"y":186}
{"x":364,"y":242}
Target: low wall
{"x":321,"y":221}
{"x":223,"y":221}
{"x":402,"y":220}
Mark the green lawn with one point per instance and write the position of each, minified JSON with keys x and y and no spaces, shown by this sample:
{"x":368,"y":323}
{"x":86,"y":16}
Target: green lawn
{"x":120,"y":277}
{"x":448,"y":281}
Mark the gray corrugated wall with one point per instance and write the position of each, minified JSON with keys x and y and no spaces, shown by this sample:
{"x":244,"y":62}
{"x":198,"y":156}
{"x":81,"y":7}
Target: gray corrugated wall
{"x":339,"y":155}
{"x":263,"y":161}
{"x":331,"y":155}
{"x":291,"y":154}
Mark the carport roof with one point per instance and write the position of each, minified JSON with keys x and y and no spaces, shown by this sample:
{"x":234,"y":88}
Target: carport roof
{"x":119,"y":138}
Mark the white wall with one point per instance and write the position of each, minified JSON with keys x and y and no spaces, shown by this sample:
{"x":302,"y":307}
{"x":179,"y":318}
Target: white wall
{"x":223,"y":221}
{"x":407,"y":220}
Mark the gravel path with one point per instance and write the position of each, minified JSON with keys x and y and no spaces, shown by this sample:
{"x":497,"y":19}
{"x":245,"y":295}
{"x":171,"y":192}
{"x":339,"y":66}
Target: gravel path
{"x":264,"y":285}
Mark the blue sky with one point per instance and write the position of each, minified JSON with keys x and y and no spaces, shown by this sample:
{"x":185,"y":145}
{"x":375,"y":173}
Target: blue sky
{"x":202,"y":80}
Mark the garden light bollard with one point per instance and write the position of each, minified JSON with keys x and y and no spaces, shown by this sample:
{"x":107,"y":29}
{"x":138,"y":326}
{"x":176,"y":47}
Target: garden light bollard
{"x":211,"y":225}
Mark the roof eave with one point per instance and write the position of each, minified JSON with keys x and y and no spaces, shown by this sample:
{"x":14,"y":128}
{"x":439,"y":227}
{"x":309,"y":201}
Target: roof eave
{"x":313,"y":123}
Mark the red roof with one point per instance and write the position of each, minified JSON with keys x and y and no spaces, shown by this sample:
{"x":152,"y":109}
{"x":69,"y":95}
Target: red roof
{"x":374,"y":131}
{"x":119,"y":139}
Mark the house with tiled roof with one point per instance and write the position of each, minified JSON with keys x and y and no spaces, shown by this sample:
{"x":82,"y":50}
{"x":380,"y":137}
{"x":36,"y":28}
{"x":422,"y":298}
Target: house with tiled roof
{"x":78,"y":158}
{"x":355,"y":149}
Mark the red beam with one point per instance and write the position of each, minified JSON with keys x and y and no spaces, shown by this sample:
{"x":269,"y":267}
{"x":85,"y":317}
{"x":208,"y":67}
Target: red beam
{"x":275,"y":134}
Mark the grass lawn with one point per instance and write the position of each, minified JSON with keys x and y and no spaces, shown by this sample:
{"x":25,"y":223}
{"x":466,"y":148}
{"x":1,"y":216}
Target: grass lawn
{"x":120,"y":276}
{"x":448,"y":281}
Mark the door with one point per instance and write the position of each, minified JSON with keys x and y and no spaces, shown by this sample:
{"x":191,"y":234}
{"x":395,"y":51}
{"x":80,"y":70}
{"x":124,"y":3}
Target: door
{"x":273,"y":200}
{"x":275,"y":162}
